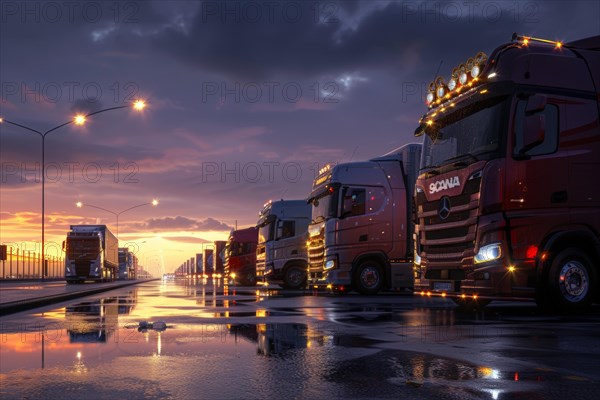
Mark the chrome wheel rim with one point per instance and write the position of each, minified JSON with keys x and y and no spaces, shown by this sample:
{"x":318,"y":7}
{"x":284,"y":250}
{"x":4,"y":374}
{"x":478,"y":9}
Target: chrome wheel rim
{"x":574,"y":281}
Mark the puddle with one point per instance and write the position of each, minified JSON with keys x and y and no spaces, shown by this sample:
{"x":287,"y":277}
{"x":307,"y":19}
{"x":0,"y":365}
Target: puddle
{"x":97,"y":347}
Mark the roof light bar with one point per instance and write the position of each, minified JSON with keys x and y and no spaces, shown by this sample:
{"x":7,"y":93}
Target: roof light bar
{"x":526,"y":39}
{"x":465,"y":75}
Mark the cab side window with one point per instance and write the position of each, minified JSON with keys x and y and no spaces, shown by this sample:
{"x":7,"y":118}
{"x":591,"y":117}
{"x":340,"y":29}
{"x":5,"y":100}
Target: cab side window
{"x":547,"y":121}
{"x":288,"y":229}
{"x":353,"y":202}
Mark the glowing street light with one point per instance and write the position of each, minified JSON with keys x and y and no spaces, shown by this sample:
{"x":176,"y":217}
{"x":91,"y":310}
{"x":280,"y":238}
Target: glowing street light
{"x":139,"y":105}
{"x":153,"y":203}
{"x":79,"y":119}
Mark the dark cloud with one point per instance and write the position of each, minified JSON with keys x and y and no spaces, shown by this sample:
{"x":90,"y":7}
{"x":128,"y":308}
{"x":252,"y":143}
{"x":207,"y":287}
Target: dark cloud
{"x":395,"y":37}
{"x":184,"y":223}
{"x":186,"y":239}
{"x":211,"y":224}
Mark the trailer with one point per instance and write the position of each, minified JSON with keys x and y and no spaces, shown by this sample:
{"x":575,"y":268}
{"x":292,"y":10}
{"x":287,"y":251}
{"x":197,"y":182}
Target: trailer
{"x":91,"y":254}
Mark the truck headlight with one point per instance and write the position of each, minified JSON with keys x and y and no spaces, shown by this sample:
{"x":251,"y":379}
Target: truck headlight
{"x":331,"y":263}
{"x":417,"y":259}
{"x":268,"y":268}
{"x":489,"y":252}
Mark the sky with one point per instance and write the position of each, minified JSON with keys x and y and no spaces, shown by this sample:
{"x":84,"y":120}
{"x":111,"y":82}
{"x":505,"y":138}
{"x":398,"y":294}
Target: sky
{"x":246,"y":100}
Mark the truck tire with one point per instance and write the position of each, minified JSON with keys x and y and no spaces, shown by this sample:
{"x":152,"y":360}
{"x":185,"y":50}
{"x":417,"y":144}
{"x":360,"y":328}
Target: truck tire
{"x":294,"y":277}
{"x":571,"y":281}
{"x":368,"y":277}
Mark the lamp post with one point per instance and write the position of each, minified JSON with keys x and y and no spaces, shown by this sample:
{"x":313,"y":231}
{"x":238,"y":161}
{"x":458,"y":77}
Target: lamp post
{"x":79,"y":119}
{"x":153,"y":203}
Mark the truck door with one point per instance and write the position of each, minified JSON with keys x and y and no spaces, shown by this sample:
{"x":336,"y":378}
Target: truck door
{"x":537,"y":174}
{"x":286,"y":229}
{"x":353,"y":227}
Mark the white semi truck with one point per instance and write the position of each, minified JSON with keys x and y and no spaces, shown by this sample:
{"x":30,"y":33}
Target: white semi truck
{"x":361,"y":234}
{"x":91,"y":253}
{"x":281,"y":255}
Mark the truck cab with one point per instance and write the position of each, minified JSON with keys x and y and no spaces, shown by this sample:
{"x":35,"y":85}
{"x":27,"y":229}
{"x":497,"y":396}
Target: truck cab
{"x":281,"y":255}
{"x":126,"y":270}
{"x":508,"y":201}
{"x":360,"y":235}
{"x":240,"y":256}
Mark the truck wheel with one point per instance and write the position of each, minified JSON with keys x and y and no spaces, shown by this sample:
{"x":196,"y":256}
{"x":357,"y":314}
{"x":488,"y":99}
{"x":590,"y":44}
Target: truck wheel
{"x":248,"y":277}
{"x":294,"y":277}
{"x":368,"y":277}
{"x":571,"y":280}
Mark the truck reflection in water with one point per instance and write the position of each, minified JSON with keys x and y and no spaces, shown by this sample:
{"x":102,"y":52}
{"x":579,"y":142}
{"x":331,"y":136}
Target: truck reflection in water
{"x":95,"y":321}
{"x":279,"y":338}
{"x":275,"y":339}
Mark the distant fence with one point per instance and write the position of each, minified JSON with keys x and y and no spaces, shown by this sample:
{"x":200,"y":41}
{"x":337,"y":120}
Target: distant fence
{"x":26,"y":264}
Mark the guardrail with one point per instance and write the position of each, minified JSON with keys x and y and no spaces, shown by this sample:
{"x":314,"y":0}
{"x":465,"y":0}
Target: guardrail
{"x":26,"y":264}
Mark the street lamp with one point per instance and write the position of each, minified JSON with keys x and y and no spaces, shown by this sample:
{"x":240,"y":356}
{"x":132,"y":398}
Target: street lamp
{"x":79,"y":119}
{"x":153,"y":203}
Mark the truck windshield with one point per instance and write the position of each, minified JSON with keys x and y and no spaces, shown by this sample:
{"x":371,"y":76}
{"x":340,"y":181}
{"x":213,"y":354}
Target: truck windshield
{"x":325,"y":207}
{"x":470,"y":134}
{"x":266,"y":231}
{"x":83,"y":248}
{"x":234,"y":249}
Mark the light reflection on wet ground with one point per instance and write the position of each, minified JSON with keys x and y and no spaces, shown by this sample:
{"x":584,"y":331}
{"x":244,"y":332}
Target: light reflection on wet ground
{"x":194,"y":342}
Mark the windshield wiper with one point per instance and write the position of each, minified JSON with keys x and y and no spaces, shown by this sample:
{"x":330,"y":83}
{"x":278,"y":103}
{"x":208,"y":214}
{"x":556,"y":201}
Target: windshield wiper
{"x":433,"y":169}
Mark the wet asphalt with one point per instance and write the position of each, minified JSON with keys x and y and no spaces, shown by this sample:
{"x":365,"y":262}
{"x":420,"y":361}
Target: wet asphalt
{"x":193,"y":340}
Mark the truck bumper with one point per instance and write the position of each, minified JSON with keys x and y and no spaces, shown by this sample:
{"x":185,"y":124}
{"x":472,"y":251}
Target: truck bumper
{"x":316,"y":278}
{"x":495,"y":280}
{"x":338,"y":277}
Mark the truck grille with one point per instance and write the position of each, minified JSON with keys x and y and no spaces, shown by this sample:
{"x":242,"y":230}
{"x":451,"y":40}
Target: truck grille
{"x":449,"y":242}
{"x":260,"y":258}
{"x":316,"y":252}
{"x":82,"y":269}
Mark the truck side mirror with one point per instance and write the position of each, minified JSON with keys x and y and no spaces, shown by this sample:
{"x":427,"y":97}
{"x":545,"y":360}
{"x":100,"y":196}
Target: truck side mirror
{"x":64,"y":245}
{"x":534,"y":132}
{"x":536,"y":103}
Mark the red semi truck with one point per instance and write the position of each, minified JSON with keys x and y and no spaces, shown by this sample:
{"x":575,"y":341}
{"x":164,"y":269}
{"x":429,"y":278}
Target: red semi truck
{"x":508,"y":197}
{"x":240,"y":256}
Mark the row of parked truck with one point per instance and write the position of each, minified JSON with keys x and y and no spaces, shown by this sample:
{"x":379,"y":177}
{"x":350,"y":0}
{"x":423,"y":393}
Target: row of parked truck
{"x":353,"y":232}
{"x":500,"y":201}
